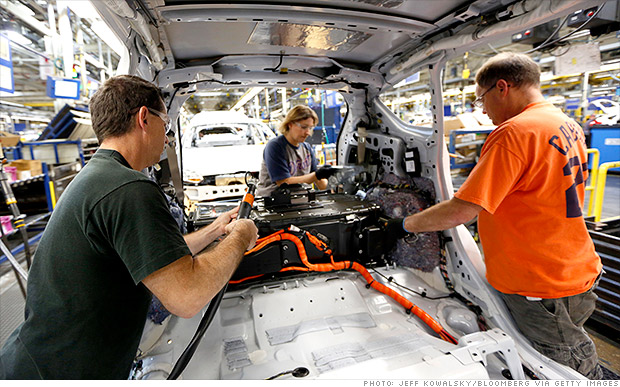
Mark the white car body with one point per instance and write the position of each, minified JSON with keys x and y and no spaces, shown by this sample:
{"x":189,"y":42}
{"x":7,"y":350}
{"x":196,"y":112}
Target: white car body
{"x":233,"y":143}
{"x":610,"y":111}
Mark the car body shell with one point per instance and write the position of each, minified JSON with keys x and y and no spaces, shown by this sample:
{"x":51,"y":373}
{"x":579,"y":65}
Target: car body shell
{"x":229,"y":136}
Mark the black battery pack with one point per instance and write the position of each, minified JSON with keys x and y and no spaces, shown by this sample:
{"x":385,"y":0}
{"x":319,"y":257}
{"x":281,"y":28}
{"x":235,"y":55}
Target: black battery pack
{"x":348,"y":225}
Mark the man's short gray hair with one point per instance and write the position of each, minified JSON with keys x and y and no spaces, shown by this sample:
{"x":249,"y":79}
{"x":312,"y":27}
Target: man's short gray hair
{"x":516,"y":69}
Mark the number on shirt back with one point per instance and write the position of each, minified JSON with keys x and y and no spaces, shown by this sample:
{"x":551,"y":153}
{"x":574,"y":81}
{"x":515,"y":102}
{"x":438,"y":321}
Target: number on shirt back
{"x":572,"y":135}
{"x":573,"y":209}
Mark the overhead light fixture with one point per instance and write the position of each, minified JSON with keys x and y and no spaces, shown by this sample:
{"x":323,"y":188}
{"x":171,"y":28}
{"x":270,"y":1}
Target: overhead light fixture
{"x":607,"y":62}
{"x":84,"y":9}
{"x":103,"y":31}
{"x":577,"y":35}
{"x":16,"y":37}
{"x":306,"y":36}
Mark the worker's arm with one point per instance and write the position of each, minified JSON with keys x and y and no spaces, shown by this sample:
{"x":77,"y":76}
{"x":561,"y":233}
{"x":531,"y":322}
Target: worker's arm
{"x":310,"y":178}
{"x":442,"y":216}
{"x":201,"y":238}
{"x":185,"y":286}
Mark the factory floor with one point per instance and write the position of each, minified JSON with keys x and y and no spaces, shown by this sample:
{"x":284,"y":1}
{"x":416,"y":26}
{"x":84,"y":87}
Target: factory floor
{"x":608,"y":350}
{"x":606,"y":340}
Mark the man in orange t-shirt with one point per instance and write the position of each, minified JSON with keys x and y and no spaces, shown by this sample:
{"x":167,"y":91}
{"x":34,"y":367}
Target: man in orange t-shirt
{"x":528,"y":190}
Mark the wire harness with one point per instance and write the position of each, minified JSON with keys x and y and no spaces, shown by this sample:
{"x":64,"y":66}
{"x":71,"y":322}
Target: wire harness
{"x":296,"y":235}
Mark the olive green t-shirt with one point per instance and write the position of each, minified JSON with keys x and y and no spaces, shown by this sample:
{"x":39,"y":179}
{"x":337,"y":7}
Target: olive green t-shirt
{"x":86,"y":306}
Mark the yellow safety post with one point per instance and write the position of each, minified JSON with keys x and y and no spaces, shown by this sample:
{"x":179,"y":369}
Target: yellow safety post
{"x":593,"y":175}
{"x":600,"y":187}
{"x":52,"y":195}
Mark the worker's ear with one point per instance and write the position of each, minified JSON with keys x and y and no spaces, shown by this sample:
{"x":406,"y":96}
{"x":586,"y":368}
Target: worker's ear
{"x":503,"y":87}
{"x":141,"y":117}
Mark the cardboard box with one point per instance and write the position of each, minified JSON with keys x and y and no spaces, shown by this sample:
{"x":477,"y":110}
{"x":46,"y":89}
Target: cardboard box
{"x":466,"y":155}
{"x":8,"y":139}
{"x":463,"y":138}
{"x":33,"y":166}
{"x":451,"y":123}
{"x":468,"y":137}
{"x":23,"y":175}
{"x":462,"y":121}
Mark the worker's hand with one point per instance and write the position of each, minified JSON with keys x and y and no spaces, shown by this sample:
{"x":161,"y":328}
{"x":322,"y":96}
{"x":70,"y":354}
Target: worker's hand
{"x":246,"y":228}
{"x":395,"y":228}
{"x":224,"y":219}
{"x":325,"y":172}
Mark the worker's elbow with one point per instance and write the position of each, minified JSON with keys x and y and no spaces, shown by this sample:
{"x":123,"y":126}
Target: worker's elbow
{"x":183,"y":306}
{"x":464,"y":219}
{"x":463,"y":211}
{"x":187,"y":313}
{"x":185,"y":310}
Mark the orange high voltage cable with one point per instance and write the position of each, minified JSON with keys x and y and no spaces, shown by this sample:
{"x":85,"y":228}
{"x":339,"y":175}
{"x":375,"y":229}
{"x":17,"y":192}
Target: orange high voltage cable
{"x":325,"y":267}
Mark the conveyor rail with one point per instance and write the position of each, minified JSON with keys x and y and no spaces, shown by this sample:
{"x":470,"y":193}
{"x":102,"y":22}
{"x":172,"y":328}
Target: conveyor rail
{"x":607,"y":309}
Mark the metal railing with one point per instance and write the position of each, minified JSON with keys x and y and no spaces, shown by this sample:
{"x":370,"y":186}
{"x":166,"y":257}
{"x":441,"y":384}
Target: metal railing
{"x":599,"y":192}
{"x":593,"y":175}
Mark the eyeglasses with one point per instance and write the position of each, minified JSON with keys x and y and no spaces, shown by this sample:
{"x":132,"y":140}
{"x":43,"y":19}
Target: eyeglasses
{"x":164,"y":117}
{"x":478,"y":101}
{"x":304,"y":127}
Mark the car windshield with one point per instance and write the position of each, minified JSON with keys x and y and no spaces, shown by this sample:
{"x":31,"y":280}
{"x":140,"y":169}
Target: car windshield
{"x":202,"y":131}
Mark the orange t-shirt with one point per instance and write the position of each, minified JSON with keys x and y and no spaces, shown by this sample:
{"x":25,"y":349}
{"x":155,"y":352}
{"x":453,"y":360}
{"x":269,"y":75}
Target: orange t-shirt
{"x":530,"y":180}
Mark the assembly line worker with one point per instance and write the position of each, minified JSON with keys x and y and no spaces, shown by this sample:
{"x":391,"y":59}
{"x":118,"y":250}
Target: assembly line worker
{"x":528,"y":190}
{"x":110,"y":242}
{"x":288,"y":158}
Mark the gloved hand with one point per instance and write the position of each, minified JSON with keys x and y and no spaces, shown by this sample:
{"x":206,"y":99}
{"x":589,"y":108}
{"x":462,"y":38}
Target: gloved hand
{"x":395,"y":228}
{"x":325,"y":172}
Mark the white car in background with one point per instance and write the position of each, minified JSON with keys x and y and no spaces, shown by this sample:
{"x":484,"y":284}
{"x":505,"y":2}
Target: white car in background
{"x":610,"y":111}
{"x":218,"y":147}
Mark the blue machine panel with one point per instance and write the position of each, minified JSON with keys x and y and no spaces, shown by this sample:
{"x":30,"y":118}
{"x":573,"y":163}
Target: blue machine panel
{"x":607,"y":140}
{"x":63,"y":88}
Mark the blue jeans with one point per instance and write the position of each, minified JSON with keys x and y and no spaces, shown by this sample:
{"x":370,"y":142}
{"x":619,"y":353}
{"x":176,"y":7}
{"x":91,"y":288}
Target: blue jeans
{"x":555,"y":328}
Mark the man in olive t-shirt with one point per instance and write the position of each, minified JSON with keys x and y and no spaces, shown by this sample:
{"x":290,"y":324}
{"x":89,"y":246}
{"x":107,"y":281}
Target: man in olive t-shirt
{"x":109,"y":244}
